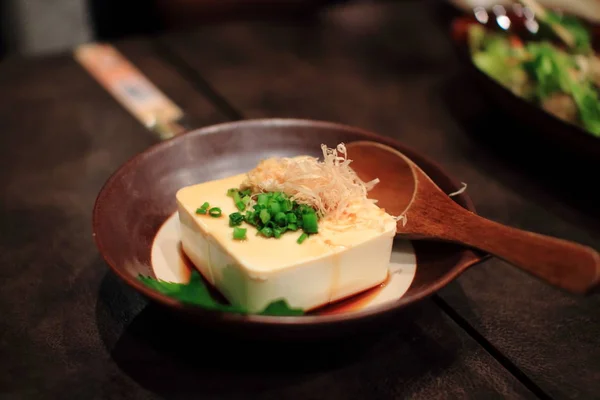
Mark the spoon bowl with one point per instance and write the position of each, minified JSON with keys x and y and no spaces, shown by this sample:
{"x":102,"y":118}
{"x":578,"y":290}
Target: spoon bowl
{"x":426,"y":212}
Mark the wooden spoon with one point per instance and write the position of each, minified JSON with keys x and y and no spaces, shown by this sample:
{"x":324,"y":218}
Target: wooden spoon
{"x":405,"y":190}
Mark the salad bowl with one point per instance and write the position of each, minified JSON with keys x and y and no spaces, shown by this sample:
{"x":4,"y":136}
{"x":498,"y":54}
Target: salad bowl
{"x":526,"y":71}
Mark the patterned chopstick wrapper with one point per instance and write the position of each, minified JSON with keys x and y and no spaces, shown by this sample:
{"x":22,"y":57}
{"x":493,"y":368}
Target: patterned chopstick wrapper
{"x":131,"y":88}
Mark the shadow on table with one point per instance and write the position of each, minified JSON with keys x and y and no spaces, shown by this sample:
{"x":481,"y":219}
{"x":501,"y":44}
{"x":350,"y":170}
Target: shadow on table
{"x":169,"y":356}
{"x":528,"y":165}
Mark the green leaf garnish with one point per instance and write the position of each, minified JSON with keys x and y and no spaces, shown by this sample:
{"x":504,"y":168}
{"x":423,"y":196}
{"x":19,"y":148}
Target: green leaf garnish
{"x":196,"y":293}
{"x":280,"y":307}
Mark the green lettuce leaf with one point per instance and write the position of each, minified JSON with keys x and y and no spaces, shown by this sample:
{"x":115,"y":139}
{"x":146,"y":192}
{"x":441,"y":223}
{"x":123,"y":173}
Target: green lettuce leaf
{"x":583,"y":39}
{"x":539,"y":70}
{"x":586,"y":98}
{"x":476,"y":37}
{"x":493,"y":54}
{"x":550,"y":69}
{"x":553,"y":70}
{"x":281,"y":307}
{"x":196,"y":293}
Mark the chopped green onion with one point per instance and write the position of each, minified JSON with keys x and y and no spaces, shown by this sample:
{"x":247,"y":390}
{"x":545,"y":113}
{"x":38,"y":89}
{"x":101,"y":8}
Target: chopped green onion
{"x":264,"y":216}
{"x":281,"y":219}
{"x":271,"y":224}
{"x":291,"y":218}
{"x":250,"y":217}
{"x":267,"y":232}
{"x":304,"y":209}
{"x":278,"y":196}
{"x":239,"y":233}
{"x":263,"y":199}
{"x":309,"y":223}
{"x":235,"y":219}
{"x":203,"y":209}
{"x":274,"y":208}
{"x":286,"y":205}
{"x":273,"y":214}
{"x":238,"y":201}
{"x":215,"y":212}
{"x":302,"y":238}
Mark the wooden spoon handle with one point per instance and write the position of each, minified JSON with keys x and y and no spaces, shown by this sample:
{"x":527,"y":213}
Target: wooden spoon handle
{"x":565,"y":264}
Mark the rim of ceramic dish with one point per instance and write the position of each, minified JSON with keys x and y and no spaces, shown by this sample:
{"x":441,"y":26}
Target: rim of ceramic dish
{"x":473,"y":257}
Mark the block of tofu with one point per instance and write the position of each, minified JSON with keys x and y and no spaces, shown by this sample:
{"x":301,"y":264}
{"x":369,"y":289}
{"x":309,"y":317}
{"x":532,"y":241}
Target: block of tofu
{"x":252,"y":273}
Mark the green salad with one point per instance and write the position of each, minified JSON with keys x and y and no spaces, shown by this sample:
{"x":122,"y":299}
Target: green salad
{"x":563,"y":80}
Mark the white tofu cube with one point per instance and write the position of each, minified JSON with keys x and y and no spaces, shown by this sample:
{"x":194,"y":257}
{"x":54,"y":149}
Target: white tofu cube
{"x":252,"y":273}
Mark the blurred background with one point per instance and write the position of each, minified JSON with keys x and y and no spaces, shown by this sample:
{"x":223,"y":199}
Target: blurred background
{"x":31,"y":27}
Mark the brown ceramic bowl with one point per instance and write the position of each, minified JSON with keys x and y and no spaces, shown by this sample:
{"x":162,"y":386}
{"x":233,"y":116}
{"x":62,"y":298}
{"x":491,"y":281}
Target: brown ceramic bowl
{"x":538,"y":125}
{"x":140,"y":196}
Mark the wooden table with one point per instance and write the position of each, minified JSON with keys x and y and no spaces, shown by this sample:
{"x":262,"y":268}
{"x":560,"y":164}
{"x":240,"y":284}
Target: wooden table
{"x":70,"y":329}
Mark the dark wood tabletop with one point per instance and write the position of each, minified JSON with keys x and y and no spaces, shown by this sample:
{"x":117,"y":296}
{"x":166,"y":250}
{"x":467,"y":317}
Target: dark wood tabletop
{"x":71,"y":329}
